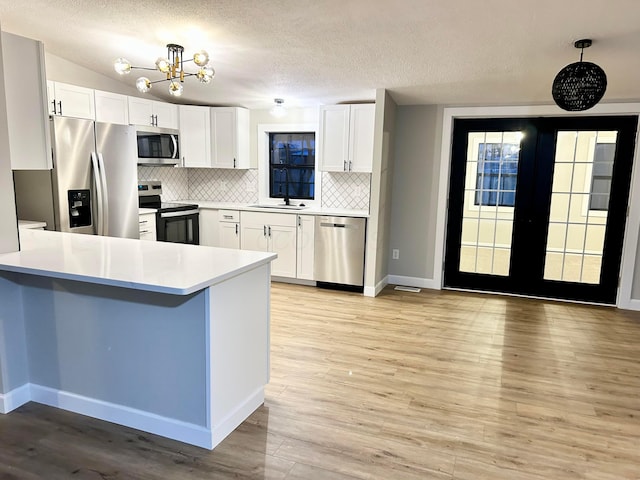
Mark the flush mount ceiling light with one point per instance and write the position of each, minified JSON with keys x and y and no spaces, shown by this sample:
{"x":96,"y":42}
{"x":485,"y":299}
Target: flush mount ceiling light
{"x":580,"y":85}
{"x":173,"y":67}
{"x":278,"y":110}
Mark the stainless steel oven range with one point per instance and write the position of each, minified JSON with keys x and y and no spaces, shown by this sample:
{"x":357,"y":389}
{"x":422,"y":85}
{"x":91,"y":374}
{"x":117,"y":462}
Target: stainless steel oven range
{"x":175,"y":222}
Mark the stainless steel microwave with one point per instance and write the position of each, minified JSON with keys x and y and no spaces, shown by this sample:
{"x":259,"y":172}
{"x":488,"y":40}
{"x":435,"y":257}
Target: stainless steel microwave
{"x":158,"y":146}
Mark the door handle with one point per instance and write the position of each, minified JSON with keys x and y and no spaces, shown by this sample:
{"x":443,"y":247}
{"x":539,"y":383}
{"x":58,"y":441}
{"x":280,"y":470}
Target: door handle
{"x":98,"y":196}
{"x":105,"y":195}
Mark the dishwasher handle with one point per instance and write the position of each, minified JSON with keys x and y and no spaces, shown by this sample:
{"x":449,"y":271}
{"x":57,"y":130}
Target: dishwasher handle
{"x":336,"y":225}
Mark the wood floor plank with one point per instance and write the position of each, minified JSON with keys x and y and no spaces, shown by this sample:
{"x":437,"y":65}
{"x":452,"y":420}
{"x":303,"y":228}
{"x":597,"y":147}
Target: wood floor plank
{"x":436,"y":384}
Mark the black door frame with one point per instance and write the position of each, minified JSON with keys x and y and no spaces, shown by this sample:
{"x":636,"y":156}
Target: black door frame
{"x":530,"y":220}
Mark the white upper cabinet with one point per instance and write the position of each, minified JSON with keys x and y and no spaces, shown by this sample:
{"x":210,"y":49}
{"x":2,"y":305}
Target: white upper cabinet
{"x":111,"y":108}
{"x":143,"y":111}
{"x":346,"y":137}
{"x":24,"y":77}
{"x":230,"y":137}
{"x":195,"y":141}
{"x":71,"y":101}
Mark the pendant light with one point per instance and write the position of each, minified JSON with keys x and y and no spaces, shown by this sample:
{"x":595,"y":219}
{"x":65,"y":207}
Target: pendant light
{"x":580,"y":85}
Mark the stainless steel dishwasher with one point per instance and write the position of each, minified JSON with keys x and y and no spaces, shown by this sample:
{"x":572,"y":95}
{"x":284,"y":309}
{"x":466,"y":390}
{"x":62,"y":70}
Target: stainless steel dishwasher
{"x":339,"y":250}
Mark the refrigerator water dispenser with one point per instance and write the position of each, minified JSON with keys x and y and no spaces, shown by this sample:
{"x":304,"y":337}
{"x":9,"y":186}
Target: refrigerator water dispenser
{"x":79,"y":208}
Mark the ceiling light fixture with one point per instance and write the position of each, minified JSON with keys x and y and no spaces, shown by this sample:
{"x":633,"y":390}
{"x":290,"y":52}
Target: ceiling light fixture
{"x":278,"y":110}
{"x":580,"y":85}
{"x":173,"y":67}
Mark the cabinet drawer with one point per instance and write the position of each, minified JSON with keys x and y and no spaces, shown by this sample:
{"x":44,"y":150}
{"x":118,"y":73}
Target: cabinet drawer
{"x":229,"y":216}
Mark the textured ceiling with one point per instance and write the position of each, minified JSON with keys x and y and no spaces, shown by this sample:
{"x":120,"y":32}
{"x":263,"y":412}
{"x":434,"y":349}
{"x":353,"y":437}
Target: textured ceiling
{"x":454,"y":52}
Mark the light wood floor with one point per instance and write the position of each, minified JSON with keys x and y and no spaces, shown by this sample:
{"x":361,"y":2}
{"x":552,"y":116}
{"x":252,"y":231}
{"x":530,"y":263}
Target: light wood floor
{"x":435,"y":385}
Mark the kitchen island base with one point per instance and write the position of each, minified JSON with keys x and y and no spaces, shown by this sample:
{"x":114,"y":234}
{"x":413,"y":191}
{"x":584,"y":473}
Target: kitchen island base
{"x":187,"y":367}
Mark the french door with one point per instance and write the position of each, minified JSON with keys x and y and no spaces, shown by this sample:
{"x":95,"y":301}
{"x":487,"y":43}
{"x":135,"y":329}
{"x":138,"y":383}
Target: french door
{"x":538,"y":206}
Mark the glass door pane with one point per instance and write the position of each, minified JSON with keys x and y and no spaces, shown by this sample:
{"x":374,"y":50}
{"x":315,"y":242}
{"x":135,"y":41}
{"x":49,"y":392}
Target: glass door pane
{"x":489,"y":200}
{"x":582,"y":176}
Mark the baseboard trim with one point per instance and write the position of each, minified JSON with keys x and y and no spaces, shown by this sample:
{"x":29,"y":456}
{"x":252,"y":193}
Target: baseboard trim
{"x":415,"y":282}
{"x":130,"y":417}
{"x":374,"y":291}
{"x":630,"y":305}
{"x":15,"y":398}
{"x":220,"y":430}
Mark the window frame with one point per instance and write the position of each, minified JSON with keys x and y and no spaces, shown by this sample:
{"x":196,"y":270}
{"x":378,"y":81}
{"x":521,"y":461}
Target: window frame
{"x":263,"y":161}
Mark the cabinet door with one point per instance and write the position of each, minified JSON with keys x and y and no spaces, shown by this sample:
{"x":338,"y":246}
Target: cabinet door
{"x":140,"y":111}
{"x":282,"y":240}
{"x":166,"y":114}
{"x":26,"y":105}
{"x":361,"y":127}
{"x":74,"y":101}
{"x":334,"y":138}
{"x":209,"y":235}
{"x":253,"y":237}
{"x":223,"y":137}
{"x":229,"y":235}
{"x":194,"y":136}
{"x":305,"y":247}
{"x":111,"y":108}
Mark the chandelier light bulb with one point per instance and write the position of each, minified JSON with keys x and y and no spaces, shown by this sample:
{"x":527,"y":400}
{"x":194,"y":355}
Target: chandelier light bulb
{"x":175,"y":89}
{"x":163,"y":64}
{"x":201,"y":58}
{"x":206,"y":74}
{"x":143,"y":84}
{"x":122,"y":66}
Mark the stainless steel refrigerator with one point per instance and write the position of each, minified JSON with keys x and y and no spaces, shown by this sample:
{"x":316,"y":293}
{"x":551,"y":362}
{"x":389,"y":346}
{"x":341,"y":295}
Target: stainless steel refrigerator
{"x":92,"y":188}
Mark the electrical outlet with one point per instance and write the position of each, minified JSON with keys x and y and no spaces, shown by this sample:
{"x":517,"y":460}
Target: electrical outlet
{"x":395,"y":253}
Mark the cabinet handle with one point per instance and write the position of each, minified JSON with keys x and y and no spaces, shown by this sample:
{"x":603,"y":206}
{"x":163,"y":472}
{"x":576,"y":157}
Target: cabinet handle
{"x":264,"y":230}
{"x":228,"y":217}
{"x":269,"y":230}
{"x":236,"y":229}
{"x":234,"y":163}
{"x":299,"y":221}
{"x":142,"y":221}
{"x":344,"y":168}
{"x":54,"y":107}
{"x":350,"y":166}
{"x":156,"y":120}
{"x":60,"y":107}
{"x":143,"y":231}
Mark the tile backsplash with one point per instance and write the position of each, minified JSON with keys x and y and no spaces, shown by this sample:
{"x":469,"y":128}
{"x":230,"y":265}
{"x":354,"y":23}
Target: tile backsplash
{"x":339,"y":190}
{"x":346,"y":190}
{"x":221,"y":185}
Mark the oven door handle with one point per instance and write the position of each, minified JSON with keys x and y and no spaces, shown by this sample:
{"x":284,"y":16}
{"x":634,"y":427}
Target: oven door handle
{"x":183,"y":213}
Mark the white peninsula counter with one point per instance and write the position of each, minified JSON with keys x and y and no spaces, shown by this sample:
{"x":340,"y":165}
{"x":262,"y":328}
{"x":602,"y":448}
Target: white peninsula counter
{"x":168,"y":338}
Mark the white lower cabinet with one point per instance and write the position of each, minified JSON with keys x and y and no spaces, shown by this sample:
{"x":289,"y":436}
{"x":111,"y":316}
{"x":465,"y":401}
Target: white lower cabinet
{"x":305,"y":247}
{"x":147,"y":226}
{"x":271,"y":232}
{"x":229,"y":228}
{"x":209,"y":227}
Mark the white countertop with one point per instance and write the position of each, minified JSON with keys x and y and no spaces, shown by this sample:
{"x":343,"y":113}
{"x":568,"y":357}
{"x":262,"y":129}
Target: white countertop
{"x":31,"y":224}
{"x":121,"y":262}
{"x":342,"y":212}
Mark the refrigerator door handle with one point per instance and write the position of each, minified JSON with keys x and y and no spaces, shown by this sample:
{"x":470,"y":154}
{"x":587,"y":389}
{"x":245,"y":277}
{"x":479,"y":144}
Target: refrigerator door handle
{"x":105,"y":196}
{"x":98,"y":197}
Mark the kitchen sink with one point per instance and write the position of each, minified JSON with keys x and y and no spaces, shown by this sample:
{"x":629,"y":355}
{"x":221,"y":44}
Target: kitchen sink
{"x":281,"y":206}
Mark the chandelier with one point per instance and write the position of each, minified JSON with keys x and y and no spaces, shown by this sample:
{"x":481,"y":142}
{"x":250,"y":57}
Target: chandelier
{"x":580,"y":85}
{"x":173,"y":67}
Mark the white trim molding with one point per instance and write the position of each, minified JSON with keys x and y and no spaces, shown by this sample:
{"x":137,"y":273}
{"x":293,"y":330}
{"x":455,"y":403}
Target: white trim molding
{"x":418,"y":282}
{"x":374,"y":291}
{"x":632,"y":229}
{"x":15,"y":398}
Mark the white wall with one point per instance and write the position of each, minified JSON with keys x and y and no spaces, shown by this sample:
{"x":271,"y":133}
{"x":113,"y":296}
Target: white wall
{"x":415,"y":195}
{"x":8,"y":219}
